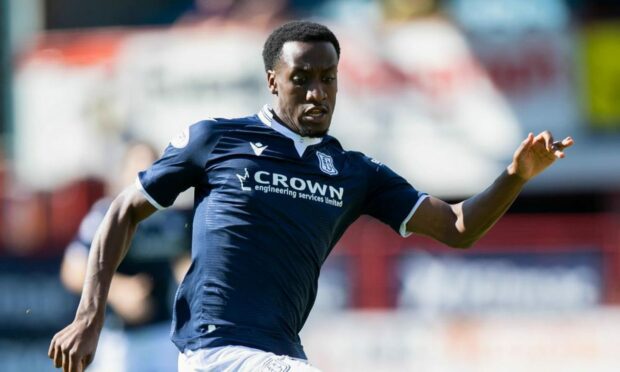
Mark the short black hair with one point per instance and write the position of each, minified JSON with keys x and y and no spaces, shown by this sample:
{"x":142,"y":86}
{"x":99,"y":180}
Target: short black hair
{"x":295,"y":31}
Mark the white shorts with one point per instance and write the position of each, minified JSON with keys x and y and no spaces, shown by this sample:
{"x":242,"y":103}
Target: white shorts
{"x":240,"y":359}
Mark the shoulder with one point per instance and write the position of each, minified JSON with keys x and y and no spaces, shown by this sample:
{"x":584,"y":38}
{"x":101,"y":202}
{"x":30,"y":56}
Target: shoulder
{"x":364,"y":161}
{"x":227,"y":124}
{"x":356,"y":158}
{"x":210,"y":127}
{"x":209,"y":130}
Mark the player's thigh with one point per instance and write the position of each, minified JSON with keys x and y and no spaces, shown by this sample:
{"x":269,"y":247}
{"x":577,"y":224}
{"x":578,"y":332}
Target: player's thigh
{"x":240,"y":359}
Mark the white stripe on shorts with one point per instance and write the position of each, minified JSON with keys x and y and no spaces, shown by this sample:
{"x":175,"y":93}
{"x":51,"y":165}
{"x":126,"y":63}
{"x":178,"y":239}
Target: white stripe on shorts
{"x":240,"y":359}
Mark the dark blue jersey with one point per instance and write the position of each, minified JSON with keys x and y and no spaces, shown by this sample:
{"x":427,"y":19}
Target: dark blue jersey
{"x":269,"y":207}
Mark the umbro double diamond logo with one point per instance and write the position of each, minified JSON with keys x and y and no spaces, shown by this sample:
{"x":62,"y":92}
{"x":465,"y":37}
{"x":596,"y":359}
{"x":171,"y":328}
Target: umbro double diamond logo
{"x":258,"y":148}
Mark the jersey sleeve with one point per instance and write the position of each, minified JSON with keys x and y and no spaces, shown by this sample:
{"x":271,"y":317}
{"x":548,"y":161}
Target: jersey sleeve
{"x":390,"y":198}
{"x":180,"y":167}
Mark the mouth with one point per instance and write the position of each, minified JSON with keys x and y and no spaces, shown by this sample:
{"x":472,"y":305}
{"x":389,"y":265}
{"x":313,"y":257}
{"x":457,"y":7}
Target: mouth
{"x":316,"y":113}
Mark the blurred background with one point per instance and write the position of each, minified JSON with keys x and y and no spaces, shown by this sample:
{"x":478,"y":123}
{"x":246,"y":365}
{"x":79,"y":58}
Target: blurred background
{"x":441,"y":91}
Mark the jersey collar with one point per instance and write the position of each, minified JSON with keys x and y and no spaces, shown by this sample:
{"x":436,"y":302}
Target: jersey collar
{"x":301,"y":143}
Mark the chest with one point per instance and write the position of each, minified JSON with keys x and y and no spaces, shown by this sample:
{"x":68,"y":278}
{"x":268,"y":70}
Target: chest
{"x":261,"y":173}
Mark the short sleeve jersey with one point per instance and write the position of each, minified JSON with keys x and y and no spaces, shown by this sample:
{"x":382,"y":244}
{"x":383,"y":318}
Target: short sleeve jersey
{"x":269,"y":206}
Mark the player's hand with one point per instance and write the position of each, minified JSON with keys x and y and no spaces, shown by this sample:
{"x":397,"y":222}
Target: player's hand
{"x":536,"y":153}
{"x":73,"y":348}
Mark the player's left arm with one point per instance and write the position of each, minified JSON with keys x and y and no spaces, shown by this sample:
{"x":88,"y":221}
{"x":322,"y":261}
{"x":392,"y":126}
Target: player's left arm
{"x":461,"y":225}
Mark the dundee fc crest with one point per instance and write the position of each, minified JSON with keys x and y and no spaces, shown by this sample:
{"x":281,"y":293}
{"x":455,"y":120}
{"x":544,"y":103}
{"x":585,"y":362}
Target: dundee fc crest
{"x":326,"y":163}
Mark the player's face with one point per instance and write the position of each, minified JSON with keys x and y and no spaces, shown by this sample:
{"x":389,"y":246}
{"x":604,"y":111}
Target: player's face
{"x":305,"y":85}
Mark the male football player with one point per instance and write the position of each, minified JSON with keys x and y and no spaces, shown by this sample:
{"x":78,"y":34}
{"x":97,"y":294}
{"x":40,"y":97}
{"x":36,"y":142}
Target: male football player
{"x":273,"y":194}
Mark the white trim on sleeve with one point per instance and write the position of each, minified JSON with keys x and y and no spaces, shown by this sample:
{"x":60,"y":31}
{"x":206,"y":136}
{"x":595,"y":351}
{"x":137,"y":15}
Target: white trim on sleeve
{"x":147,"y":196}
{"x":403,"y":226}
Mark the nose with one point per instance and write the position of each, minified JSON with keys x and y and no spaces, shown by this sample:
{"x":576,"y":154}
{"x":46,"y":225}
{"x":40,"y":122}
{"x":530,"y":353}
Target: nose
{"x":316,"y":93}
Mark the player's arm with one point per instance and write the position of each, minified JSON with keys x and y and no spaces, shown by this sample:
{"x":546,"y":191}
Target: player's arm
{"x":73,"y":347}
{"x":129,"y":295}
{"x":461,"y":225}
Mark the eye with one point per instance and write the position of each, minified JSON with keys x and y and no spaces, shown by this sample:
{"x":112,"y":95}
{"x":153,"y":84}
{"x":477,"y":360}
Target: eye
{"x":329,"y":79}
{"x":299,"y":80}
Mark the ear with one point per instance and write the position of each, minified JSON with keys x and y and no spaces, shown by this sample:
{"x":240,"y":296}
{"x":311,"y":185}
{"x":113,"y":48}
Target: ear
{"x":271,"y":82}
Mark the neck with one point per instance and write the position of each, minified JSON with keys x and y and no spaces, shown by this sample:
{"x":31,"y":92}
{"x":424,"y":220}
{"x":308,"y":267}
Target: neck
{"x":284,"y":119}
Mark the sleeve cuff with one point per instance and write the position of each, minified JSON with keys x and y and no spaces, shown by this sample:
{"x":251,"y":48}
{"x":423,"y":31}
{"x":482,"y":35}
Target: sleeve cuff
{"x":403,"y":226}
{"x":149,"y":197}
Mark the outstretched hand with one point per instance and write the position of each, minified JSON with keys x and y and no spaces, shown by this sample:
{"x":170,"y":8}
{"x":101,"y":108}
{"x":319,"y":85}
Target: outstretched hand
{"x":536,"y":153}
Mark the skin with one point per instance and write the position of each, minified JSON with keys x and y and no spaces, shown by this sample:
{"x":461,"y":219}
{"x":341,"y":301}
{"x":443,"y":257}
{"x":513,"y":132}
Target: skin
{"x":305,"y":80}
{"x":457,"y":225}
{"x":73,"y":348}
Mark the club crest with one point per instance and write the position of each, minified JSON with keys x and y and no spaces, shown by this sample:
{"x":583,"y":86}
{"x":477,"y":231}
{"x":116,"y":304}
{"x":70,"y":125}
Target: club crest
{"x":326,"y":164}
{"x":181,"y":140}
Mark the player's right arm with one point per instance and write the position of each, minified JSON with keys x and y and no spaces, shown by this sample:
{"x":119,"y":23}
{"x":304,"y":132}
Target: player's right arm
{"x":73,"y":348}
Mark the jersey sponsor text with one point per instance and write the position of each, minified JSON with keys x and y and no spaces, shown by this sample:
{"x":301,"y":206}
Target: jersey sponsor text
{"x":294,"y":187}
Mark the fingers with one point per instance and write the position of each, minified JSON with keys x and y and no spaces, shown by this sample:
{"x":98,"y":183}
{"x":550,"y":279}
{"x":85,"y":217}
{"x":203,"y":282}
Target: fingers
{"x":65,"y":361}
{"x":527,"y":142}
{"x":559,"y":146}
{"x":566,"y":142}
{"x":75,"y":362}
{"x":69,"y":360}
{"x":554,"y":148}
{"x":57,"y":356}
{"x":54,"y":352}
{"x":65,"y":356}
{"x":50,"y":350}
{"x":547,"y":138}
{"x":87,"y":360}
